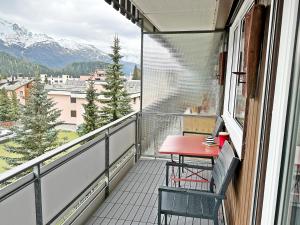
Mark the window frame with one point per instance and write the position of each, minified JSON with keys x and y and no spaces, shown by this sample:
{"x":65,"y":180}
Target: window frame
{"x":72,"y":111}
{"x":233,"y":126}
{"x":73,"y":102}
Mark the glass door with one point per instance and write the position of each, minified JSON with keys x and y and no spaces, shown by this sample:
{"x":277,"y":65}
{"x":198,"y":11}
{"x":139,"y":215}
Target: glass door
{"x":288,"y":205}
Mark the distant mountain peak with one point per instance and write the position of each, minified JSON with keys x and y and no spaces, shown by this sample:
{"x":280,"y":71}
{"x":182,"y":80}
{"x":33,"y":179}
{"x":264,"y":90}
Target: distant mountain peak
{"x":45,"y":50}
{"x":14,"y":34}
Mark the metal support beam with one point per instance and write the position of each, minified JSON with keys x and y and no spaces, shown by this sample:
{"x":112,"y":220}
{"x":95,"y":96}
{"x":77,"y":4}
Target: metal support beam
{"x":142,"y":78}
{"x":186,"y":31}
{"x":107,"y":162}
{"x":123,"y":7}
{"x":38,"y":195}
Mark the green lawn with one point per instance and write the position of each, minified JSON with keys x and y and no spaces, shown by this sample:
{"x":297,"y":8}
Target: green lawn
{"x":63,"y":137}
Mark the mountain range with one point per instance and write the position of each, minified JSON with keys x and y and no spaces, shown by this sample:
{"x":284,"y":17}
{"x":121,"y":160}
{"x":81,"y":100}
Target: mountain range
{"x":55,"y":54}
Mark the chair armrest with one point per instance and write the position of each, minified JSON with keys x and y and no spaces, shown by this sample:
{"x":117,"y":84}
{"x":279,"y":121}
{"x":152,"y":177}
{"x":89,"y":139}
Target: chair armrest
{"x":192,"y":192}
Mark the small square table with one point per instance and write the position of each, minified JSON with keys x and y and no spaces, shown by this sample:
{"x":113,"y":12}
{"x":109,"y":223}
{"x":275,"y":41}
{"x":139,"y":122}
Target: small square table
{"x":190,"y":146}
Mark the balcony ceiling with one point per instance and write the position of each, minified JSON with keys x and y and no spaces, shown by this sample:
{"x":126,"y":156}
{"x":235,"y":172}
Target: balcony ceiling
{"x":187,"y":15}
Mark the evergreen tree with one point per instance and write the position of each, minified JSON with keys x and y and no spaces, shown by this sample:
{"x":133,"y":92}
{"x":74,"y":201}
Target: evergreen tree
{"x":14,"y":109}
{"x":5,"y":106}
{"x":91,"y":112}
{"x":116,"y":102}
{"x":136,"y":73}
{"x":37,"y":134}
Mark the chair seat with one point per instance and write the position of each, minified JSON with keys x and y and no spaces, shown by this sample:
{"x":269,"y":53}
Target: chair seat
{"x":184,"y":204}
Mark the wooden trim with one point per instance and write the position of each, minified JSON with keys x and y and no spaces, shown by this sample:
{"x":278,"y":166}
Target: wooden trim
{"x":240,"y":193}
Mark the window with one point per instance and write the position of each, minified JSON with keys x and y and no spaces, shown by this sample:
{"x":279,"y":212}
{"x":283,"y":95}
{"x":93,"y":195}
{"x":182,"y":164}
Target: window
{"x":73,"y":113}
{"x":21,"y":94}
{"x":240,"y":99}
{"x":73,"y":100}
{"x":235,"y":100}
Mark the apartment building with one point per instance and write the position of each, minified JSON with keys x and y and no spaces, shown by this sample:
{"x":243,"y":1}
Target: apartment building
{"x":70,"y":98}
{"x":57,"y":79}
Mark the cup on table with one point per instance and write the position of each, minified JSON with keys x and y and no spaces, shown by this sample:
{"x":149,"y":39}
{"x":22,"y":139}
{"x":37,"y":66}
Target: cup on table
{"x":223,"y":136}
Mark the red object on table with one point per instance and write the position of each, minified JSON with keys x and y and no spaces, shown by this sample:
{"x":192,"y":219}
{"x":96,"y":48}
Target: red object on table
{"x":189,"y":146}
{"x":223,"y":136}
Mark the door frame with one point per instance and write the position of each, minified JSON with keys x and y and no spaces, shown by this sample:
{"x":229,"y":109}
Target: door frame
{"x":279,"y":112}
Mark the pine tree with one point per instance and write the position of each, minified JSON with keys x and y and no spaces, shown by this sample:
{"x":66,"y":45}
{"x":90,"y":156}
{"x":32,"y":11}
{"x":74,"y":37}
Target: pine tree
{"x":5,"y":106}
{"x":91,"y":111}
{"x":136,"y":73}
{"x":37,"y":134}
{"x":116,"y":101}
{"x":15,"y":108}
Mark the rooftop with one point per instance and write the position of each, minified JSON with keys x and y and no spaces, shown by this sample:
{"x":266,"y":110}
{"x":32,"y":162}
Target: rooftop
{"x":11,"y":86}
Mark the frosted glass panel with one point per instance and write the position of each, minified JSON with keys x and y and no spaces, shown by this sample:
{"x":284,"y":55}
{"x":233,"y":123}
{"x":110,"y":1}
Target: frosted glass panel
{"x":62,"y":185}
{"x":120,"y":141}
{"x":19,"y":208}
{"x":179,"y":77}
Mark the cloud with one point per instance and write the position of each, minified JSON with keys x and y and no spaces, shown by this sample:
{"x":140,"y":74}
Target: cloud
{"x":90,"y":21}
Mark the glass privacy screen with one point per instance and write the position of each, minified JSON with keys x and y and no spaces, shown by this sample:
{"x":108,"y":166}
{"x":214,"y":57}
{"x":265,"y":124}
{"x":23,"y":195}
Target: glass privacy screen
{"x":179,"y":78}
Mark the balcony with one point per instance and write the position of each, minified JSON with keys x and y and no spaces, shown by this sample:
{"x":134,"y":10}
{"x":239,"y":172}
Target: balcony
{"x":99,"y":178}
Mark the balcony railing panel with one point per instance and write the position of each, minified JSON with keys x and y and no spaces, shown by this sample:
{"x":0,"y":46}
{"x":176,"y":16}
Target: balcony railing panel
{"x":62,"y":185}
{"x":126,"y":136}
{"x":19,"y":207}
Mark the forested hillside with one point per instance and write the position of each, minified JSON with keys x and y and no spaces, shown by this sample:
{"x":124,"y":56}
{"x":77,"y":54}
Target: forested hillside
{"x":10,"y":65}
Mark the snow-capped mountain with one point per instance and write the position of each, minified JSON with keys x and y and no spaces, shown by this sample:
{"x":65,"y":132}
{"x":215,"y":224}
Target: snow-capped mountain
{"x":45,"y":50}
{"x":13,"y":34}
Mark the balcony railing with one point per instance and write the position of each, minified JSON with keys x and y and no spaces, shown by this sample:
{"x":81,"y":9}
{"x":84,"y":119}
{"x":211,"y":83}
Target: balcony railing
{"x":58,"y":186}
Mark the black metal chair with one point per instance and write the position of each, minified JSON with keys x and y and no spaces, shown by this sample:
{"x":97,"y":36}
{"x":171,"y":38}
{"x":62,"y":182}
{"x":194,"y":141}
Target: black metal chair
{"x":219,"y":126}
{"x":200,"y":203}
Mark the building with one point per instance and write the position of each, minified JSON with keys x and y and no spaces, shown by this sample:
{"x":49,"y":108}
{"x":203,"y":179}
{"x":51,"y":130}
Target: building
{"x":98,"y":75}
{"x":70,"y":98}
{"x":20,"y":86}
{"x":112,"y":174}
{"x":57,"y":79}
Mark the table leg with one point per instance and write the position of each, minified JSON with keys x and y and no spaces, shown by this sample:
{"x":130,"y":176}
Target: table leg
{"x":212,"y":161}
{"x":179,"y":170}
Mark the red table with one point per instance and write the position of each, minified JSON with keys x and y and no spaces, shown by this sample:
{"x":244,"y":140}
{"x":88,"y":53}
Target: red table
{"x":191,"y":146}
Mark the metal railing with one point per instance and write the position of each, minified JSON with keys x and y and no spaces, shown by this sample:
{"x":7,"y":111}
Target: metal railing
{"x":51,"y":187}
{"x":157,"y":126}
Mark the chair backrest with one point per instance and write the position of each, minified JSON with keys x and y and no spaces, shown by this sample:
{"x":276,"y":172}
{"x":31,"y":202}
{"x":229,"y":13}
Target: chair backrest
{"x":218,"y":127}
{"x":224,"y":168}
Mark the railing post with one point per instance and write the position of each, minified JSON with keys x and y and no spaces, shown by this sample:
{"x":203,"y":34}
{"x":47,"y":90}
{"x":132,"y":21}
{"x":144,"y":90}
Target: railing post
{"x":137,"y":155}
{"x":38,"y":194}
{"x":107,"y":162}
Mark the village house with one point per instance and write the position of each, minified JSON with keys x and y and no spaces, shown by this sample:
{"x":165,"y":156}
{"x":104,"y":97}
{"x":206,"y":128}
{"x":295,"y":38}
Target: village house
{"x":20,"y":86}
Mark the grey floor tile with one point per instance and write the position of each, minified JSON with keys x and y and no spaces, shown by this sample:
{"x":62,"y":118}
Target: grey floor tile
{"x":134,"y":200}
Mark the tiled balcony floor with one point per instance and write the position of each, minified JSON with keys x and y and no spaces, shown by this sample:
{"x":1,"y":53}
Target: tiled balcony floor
{"x":134,"y":201}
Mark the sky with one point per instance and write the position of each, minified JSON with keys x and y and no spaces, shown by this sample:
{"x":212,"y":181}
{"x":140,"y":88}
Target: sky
{"x":88,"y":21}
